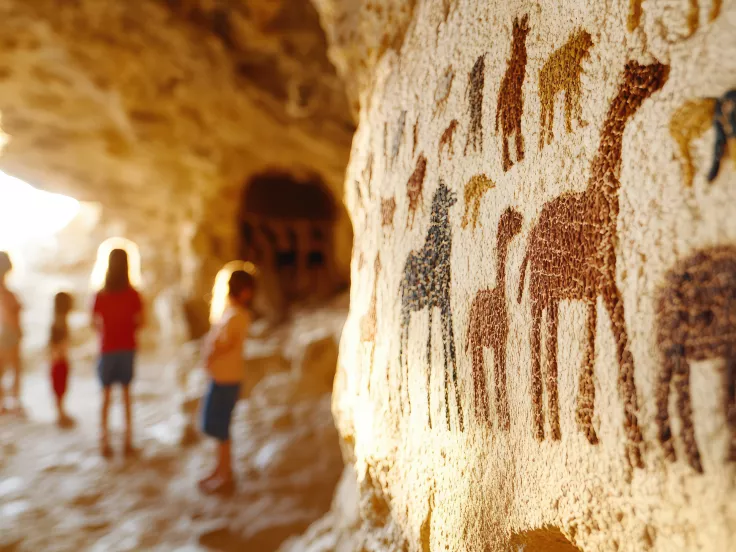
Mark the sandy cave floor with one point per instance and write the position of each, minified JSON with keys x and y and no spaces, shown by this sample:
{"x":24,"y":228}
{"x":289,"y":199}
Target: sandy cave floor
{"x":58,"y":494}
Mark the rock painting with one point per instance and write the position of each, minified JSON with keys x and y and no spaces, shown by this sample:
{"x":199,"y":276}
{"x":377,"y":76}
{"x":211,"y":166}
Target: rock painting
{"x":510,"y":106}
{"x":561,"y":73}
{"x":426,"y":284}
{"x":368,"y":171}
{"x":415,"y":137}
{"x":368,"y":324}
{"x":398,"y":137}
{"x":442,"y":92}
{"x":478,"y":185}
{"x":688,"y":123}
{"x":571,"y":254}
{"x":388,"y":208}
{"x":488,"y":328}
{"x":474,"y":95}
{"x":414,"y":189}
{"x":446,"y":140}
{"x":724,"y":124}
{"x":696,"y":320}
{"x":693,"y":15}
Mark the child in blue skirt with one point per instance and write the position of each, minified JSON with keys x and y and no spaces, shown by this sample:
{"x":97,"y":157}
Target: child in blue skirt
{"x":223,"y":354}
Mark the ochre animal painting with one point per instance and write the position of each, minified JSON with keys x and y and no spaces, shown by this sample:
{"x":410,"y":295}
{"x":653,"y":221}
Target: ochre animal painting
{"x":442,"y":92}
{"x":724,"y":124}
{"x":474,"y":95}
{"x":388,"y":208}
{"x":488,"y":328}
{"x":571,"y":255}
{"x":696,"y":320}
{"x":426,"y":284}
{"x":478,"y":185}
{"x":446,"y":140}
{"x":414,"y":137}
{"x":693,"y":14}
{"x":510,"y":105}
{"x":414,"y":189}
{"x":688,"y":123}
{"x":561,"y":73}
{"x":368,"y":325}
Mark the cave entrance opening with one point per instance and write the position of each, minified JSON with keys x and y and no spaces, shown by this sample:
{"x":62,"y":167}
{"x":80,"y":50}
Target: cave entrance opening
{"x":287,"y":229}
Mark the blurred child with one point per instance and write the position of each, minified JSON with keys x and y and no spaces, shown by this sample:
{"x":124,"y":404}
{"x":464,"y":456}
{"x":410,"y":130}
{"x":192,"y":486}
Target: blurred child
{"x":58,"y":347}
{"x":10,"y":336}
{"x":117,"y":315}
{"x":223,"y":354}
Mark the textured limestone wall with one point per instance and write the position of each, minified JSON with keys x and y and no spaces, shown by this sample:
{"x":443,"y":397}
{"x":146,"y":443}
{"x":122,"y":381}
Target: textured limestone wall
{"x":540,"y":349}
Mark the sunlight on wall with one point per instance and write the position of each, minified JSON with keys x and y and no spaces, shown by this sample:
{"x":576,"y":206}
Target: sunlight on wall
{"x":28,"y":214}
{"x":219,"y":290}
{"x":97,"y":280}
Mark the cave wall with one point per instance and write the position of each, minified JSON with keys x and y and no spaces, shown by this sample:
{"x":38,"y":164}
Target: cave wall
{"x":540,"y":260}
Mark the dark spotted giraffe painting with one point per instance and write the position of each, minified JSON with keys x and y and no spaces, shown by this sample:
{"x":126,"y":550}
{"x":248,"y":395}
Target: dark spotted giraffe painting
{"x":426,"y":283}
{"x":488,"y":328}
{"x":571,"y":255}
{"x":474,"y":95}
{"x":696,"y":320}
{"x":561,"y":73}
{"x":510,"y":105}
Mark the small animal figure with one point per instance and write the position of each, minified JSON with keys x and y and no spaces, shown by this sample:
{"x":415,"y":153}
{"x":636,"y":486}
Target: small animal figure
{"x":426,"y":284}
{"x":414,"y":188}
{"x":474,"y":190}
{"x":510,"y":106}
{"x":442,"y":92}
{"x":488,"y":327}
{"x":388,"y":207}
{"x":688,"y":123}
{"x":474,"y":95}
{"x":696,"y":320}
{"x":724,"y":124}
{"x":446,"y":140}
{"x":561,"y":73}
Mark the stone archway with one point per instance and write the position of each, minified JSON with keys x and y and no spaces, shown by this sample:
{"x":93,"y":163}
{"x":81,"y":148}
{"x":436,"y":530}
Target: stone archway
{"x":286,"y":228}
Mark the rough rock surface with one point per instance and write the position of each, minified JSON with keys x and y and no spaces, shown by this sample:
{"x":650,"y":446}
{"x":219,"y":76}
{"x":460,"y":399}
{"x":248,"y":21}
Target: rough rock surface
{"x":540,"y":357}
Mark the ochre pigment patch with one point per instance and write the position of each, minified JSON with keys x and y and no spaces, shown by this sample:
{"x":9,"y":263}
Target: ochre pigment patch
{"x":388,"y":208}
{"x":415,"y":188}
{"x":478,"y":185}
{"x":688,"y":123}
{"x":446,"y":140}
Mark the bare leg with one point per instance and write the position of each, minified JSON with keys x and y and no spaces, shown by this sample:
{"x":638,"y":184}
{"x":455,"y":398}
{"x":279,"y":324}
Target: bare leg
{"x":626,"y":381}
{"x":586,"y":387}
{"x":552,"y":395}
{"x":127,"y":403}
{"x":685,"y":408}
{"x":105,"y":449}
{"x":662,"y":393}
{"x":537,"y":399}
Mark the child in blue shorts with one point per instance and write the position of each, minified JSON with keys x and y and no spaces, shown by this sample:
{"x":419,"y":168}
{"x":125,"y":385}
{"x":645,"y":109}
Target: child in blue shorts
{"x":223,"y":354}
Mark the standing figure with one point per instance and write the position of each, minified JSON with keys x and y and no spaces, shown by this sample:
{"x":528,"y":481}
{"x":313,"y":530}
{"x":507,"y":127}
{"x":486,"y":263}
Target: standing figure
{"x":10,"y":336}
{"x":696,"y":320}
{"x":510,"y":106}
{"x":59,"y":357}
{"x":117,"y":315}
{"x":223,"y":354}
{"x":571,"y":253}
{"x":426,"y":284}
{"x":488,"y":328}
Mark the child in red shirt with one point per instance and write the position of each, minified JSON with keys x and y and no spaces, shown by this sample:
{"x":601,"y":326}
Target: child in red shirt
{"x":58,"y":344}
{"x":117,"y":315}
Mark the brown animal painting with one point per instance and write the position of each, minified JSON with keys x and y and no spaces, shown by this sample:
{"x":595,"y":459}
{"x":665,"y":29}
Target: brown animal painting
{"x":688,"y":123}
{"x":388,"y":208}
{"x":561,"y":73}
{"x":414,"y":137}
{"x":510,"y":106}
{"x":446,"y":140}
{"x":488,"y":328}
{"x":571,"y":254}
{"x":696,"y":320}
{"x":478,"y":185}
{"x":693,"y":15}
{"x":414,"y":189}
{"x":474,"y":95}
{"x":368,"y":325}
